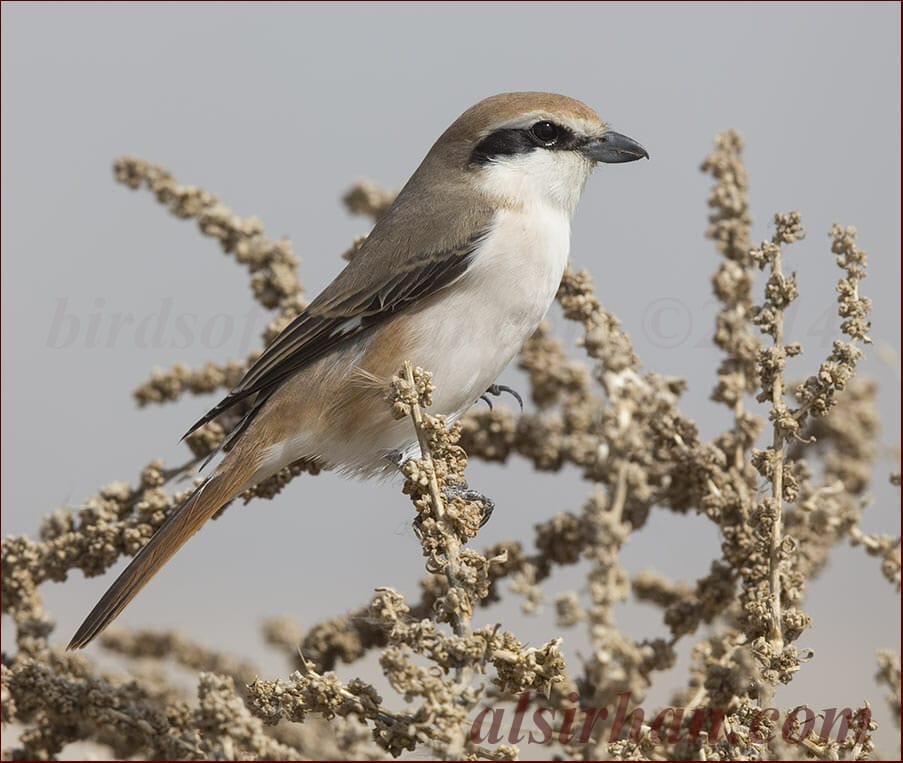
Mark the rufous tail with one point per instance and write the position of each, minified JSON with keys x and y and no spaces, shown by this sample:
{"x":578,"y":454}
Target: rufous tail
{"x":209,"y":497}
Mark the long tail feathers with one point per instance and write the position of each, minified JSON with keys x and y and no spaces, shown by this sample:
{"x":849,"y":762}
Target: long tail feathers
{"x":184,"y":522}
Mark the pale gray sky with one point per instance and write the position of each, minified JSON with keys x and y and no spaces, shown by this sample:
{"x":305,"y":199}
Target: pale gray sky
{"x":276,"y":109}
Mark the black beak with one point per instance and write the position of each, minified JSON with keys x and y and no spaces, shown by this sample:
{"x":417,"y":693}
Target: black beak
{"x":613,"y":148}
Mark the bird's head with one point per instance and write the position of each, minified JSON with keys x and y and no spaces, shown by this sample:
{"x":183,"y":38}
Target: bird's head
{"x":527,"y":147}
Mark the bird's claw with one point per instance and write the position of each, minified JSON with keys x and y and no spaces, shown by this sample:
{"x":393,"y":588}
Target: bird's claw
{"x":497,"y":389}
{"x":461,"y":490}
{"x":395,"y":457}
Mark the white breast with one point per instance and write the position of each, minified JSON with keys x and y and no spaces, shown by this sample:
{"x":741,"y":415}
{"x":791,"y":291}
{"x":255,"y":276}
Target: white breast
{"x":471,"y":330}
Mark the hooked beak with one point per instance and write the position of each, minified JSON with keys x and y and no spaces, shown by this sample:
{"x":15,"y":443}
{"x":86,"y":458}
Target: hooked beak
{"x":613,"y":148}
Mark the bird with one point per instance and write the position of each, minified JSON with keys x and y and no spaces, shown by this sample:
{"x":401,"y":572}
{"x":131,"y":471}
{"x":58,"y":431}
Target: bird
{"x":455,"y":276}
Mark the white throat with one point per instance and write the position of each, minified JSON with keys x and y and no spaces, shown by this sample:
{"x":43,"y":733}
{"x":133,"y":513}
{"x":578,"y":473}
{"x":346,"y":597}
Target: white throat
{"x":538,"y":178}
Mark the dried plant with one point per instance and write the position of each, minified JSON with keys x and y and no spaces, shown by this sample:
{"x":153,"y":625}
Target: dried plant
{"x":621,"y":427}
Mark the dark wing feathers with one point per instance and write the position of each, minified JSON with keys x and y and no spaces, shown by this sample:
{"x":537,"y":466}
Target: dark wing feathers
{"x":336,"y":318}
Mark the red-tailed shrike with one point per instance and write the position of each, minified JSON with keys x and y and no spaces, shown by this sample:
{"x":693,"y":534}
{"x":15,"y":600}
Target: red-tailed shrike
{"x":455,"y":276}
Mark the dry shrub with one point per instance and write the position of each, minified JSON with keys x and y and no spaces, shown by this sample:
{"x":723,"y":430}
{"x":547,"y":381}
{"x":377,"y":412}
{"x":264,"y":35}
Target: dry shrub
{"x":620,"y":426}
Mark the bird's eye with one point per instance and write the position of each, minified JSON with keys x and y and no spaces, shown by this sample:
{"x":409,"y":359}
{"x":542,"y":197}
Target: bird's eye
{"x":545,"y":132}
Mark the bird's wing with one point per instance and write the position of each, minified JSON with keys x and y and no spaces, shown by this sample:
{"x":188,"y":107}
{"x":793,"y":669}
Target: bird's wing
{"x":353,"y":303}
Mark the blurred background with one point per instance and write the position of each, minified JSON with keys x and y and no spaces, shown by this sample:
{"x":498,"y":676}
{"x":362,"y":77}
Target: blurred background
{"x":276,"y":109}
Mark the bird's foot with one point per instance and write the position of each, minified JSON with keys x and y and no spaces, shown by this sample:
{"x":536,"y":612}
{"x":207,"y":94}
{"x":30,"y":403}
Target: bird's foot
{"x":496,"y":390}
{"x":450,"y":492}
{"x":395,"y":457}
{"x":461,"y":490}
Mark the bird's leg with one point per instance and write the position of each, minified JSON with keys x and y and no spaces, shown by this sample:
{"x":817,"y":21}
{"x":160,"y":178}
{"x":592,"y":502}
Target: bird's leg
{"x":497,"y":389}
{"x":395,"y":457}
{"x":461,"y":490}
